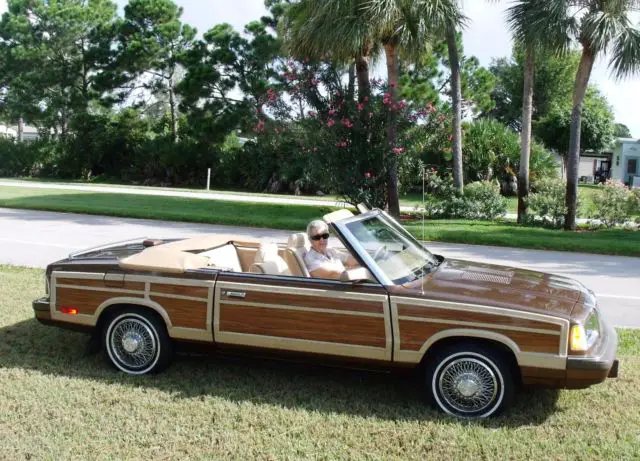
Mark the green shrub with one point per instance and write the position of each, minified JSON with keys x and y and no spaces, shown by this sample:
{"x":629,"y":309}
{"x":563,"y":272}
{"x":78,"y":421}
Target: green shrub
{"x":484,"y":200}
{"x":481,"y":200}
{"x":548,"y":202}
{"x":614,"y":203}
{"x":17,"y":159}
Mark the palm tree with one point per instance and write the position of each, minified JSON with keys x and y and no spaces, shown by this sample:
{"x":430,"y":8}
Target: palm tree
{"x":407,"y":26}
{"x":358,"y":29}
{"x":536,"y":26}
{"x":332,"y":27}
{"x":601,"y":26}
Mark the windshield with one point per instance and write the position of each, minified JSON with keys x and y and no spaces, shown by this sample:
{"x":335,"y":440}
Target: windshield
{"x":398,"y":255}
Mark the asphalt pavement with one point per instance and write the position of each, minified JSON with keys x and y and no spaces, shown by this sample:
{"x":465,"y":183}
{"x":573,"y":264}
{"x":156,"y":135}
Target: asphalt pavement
{"x":36,"y":238}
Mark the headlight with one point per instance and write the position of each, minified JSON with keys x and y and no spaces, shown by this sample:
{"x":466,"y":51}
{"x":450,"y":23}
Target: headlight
{"x":582,"y":337}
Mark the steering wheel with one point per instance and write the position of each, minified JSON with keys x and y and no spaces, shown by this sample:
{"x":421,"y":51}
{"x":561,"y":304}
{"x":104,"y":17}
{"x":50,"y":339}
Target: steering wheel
{"x":380,"y":253}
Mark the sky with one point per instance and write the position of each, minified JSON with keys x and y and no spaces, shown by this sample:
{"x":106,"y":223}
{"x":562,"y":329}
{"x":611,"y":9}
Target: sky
{"x":486,"y":37}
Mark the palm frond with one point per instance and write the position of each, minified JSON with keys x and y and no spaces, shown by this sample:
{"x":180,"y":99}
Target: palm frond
{"x":625,"y":60}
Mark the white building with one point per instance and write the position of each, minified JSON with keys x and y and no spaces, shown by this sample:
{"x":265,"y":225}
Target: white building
{"x":625,"y":162}
{"x":29,"y":133}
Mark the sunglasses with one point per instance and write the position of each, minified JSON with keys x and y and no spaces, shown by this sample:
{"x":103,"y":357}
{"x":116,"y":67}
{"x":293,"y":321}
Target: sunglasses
{"x":324,"y":236}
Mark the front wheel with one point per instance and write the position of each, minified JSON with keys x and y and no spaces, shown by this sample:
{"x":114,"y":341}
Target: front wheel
{"x":136,"y":342}
{"x":470,"y":381}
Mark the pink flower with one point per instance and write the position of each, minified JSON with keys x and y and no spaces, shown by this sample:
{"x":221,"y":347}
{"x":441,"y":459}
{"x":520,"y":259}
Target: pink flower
{"x":367,"y":175}
{"x":346,"y":123}
{"x":341,"y":144}
{"x":402,"y":104}
{"x":332,"y":112}
{"x":397,"y":150}
{"x":260,"y":126}
{"x":360,"y":106}
{"x":331,"y":122}
{"x":366,"y":98}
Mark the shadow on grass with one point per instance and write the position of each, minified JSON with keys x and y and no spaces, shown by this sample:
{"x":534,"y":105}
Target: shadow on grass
{"x":397,"y":396}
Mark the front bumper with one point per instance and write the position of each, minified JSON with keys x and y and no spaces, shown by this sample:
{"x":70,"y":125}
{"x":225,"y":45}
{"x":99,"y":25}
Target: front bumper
{"x":598,"y":365}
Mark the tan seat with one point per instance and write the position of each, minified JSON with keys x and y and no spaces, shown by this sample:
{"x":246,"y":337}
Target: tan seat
{"x":267,"y":261}
{"x":297,"y":247}
{"x":225,"y":256}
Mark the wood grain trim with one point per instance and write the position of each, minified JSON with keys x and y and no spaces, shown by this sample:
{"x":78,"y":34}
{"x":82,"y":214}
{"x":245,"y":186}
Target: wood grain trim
{"x":405,"y":310}
{"x":133,"y":286}
{"x":317,"y":302}
{"x":85,"y":301}
{"x":488,"y":326}
{"x":300,"y":308}
{"x":180,"y":290}
{"x":184,"y":313}
{"x":414,"y":334}
{"x":313,"y":326}
{"x":348,"y":292}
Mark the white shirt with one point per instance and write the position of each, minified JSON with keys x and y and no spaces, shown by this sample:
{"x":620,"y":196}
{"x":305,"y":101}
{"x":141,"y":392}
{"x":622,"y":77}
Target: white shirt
{"x":332,"y":260}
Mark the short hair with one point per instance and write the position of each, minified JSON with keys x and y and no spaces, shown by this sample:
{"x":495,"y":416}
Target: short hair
{"x":316,"y":224}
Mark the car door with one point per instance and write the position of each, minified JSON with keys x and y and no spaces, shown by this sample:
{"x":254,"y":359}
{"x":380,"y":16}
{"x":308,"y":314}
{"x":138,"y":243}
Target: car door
{"x":304,"y":315}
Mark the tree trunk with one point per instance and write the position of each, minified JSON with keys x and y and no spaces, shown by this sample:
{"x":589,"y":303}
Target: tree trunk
{"x":525,"y":138}
{"x":20,"y":129}
{"x":579,"y":91}
{"x":456,"y":102}
{"x":393,"y":71}
{"x":362,"y":76}
{"x":351,"y":82}
{"x":172,"y":106}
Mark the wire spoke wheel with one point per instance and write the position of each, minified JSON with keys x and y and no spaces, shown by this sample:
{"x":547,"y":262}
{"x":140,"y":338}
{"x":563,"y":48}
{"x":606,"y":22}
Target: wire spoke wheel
{"x":468,"y":385}
{"x":470,"y":380}
{"x":133,"y":343}
{"x":137,"y":343}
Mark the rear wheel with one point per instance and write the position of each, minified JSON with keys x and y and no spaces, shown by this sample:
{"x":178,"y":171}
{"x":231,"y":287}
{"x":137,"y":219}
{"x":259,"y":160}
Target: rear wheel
{"x":136,"y":342}
{"x":470,"y":380}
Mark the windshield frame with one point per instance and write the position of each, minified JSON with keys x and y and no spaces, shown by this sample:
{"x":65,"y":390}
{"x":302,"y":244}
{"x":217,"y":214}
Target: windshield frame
{"x":342,"y":229}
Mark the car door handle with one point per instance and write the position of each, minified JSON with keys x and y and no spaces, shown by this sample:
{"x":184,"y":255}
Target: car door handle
{"x":235,"y":294}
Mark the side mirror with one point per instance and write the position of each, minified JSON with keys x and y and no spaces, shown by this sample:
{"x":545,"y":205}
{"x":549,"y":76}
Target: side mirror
{"x":360,"y":274}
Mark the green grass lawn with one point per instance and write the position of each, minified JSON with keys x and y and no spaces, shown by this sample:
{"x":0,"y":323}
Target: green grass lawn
{"x":56,"y":402}
{"x":296,"y":217}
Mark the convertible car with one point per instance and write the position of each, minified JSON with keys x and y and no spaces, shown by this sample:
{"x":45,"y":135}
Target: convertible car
{"x":474,"y":332}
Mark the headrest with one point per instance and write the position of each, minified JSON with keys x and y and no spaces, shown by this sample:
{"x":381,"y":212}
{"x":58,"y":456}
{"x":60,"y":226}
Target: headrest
{"x":337,"y":215}
{"x":267,"y":251}
{"x":276,"y":265}
{"x":299,"y":240}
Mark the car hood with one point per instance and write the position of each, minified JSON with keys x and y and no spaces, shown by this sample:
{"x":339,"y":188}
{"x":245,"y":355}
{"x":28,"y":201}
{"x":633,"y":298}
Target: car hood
{"x":499,"y":286}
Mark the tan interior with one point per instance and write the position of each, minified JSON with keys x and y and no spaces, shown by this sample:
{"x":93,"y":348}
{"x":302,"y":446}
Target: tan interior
{"x":225,"y":252}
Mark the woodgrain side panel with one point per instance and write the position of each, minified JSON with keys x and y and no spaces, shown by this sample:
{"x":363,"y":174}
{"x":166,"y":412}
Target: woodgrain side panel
{"x":315,"y":326}
{"x":86,"y":301}
{"x":184,"y":313}
{"x":475,"y":317}
{"x":137,"y":286}
{"x":180,"y":290}
{"x":335,"y":303}
{"x":413,"y":334}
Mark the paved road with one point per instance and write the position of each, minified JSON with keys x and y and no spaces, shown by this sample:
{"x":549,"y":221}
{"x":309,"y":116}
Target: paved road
{"x":35,"y":238}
